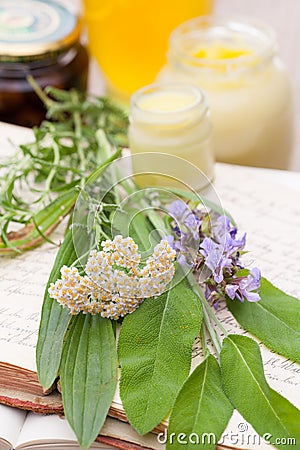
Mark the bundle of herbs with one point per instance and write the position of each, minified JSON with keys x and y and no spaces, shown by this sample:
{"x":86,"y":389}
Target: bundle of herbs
{"x":39,"y":184}
{"x":156,"y":263}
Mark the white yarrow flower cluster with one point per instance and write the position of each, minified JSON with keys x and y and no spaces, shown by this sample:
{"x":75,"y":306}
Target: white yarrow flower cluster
{"x":116,"y":282}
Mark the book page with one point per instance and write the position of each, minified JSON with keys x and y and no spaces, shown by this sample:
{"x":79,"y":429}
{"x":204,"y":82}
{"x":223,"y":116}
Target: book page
{"x":124,"y":432}
{"x":11,"y":423}
{"x":52,"y":431}
{"x":11,"y":136}
{"x":266,"y":205}
{"x":22,"y":285}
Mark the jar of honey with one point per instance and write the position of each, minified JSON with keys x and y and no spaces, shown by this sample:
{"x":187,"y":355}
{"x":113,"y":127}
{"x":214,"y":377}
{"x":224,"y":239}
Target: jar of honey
{"x":237,"y":64}
{"x":41,"y":39}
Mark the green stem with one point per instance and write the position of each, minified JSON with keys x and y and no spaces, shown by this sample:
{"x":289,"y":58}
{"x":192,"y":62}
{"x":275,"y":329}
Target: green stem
{"x":196,"y":288}
{"x":46,"y":100}
{"x":155,"y":218}
{"x":78,"y":136}
{"x":21,"y":166}
{"x":212,"y":332}
{"x":52,"y":172}
{"x":78,"y":260}
{"x":205,"y":349}
{"x":106,"y":150}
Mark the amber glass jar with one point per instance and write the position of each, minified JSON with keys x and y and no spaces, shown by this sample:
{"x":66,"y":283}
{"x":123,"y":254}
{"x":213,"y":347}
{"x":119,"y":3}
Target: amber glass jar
{"x":41,"y":39}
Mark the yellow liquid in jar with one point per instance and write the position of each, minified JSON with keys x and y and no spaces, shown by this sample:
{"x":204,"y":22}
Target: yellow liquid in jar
{"x":129,"y":38}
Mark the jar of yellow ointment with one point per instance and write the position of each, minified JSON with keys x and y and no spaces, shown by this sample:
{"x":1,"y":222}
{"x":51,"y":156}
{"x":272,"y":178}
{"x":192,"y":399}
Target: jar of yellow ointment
{"x":236,"y":63}
{"x":170,"y":130}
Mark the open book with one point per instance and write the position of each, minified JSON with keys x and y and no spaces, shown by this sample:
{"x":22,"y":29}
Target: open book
{"x":265,"y":203}
{"x":21,"y":430}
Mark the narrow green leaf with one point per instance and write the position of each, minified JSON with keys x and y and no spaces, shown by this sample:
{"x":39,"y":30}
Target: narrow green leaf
{"x":274,"y":320}
{"x":43,"y":223}
{"x":133,"y":223}
{"x":88,"y":374}
{"x":155,"y":347}
{"x":140,"y":230}
{"x":99,"y":170}
{"x":54,"y":319}
{"x":245,"y":384}
{"x":201,"y":410}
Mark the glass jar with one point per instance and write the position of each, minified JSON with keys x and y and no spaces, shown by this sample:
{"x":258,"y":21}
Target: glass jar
{"x":248,"y":90}
{"x":129,"y":38}
{"x":172,"y":120}
{"x":41,"y":39}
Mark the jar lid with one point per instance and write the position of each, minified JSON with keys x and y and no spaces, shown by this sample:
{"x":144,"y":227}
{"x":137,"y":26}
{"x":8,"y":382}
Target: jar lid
{"x":31,"y":29}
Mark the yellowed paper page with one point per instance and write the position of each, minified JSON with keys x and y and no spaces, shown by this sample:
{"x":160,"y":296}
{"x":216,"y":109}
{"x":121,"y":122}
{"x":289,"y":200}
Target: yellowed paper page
{"x":53,"y":432}
{"x":22,"y":285}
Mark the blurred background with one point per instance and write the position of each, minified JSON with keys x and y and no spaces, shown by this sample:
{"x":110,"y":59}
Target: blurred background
{"x":282,"y":15}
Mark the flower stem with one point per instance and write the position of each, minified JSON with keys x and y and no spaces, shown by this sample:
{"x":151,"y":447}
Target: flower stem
{"x":78,"y":136}
{"x":202,"y":336}
{"x":199,"y":293}
{"x":212,"y":332}
{"x":40,"y":93}
{"x":53,"y":169}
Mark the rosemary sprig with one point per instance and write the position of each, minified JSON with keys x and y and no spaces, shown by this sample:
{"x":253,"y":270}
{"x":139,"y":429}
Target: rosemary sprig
{"x":66,"y":149}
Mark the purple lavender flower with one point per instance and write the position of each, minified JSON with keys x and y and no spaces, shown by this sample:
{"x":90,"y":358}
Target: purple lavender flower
{"x":231,"y":289}
{"x":219,"y":253}
{"x":193,"y":224}
{"x":186,"y":227}
{"x":221,"y":225}
{"x":223,"y":231}
{"x":178,"y":209}
{"x":232,"y":245}
{"x":185,"y":218}
{"x":215,"y":258}
{"x":251,"y":283}
{"x":242,"y":287}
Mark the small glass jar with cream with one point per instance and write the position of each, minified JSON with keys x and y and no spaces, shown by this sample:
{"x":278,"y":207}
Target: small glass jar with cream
{"x":236,"y":63}
{"x":172,"y":119}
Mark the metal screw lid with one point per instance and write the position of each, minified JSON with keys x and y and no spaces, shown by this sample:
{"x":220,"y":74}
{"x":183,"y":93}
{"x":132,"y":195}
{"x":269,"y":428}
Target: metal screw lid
{"x":33,"y":29}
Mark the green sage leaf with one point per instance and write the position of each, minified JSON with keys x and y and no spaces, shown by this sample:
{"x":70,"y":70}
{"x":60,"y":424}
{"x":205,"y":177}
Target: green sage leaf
{"x":274,"y":319}
{"x":55,"y":319}
{"x":155,"y":347}
{"x":245,"y":384}
{"x":88,"y":375}
{"x":201,"y":410}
